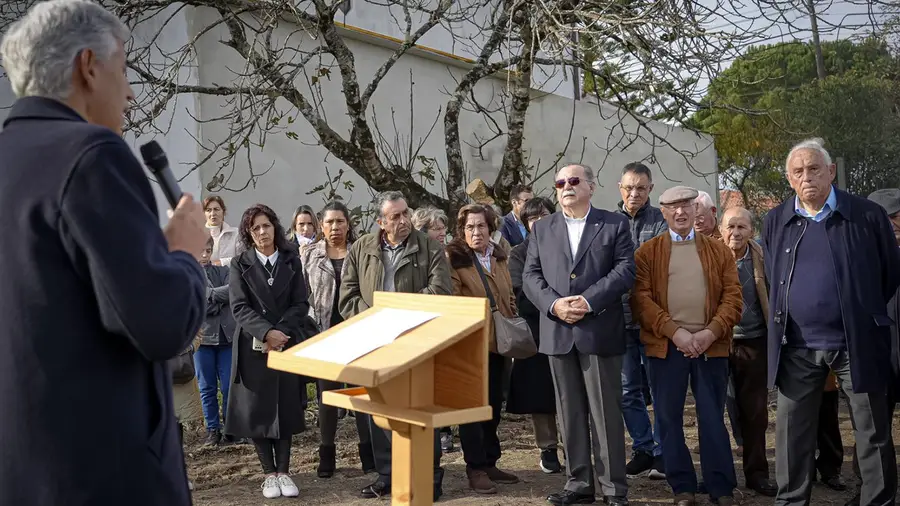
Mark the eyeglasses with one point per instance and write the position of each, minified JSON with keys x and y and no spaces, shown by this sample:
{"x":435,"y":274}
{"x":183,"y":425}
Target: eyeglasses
{"x":573,"y":181}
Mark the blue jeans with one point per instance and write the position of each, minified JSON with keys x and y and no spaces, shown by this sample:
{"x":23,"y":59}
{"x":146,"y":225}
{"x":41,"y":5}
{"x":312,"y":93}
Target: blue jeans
{"x":707,"y":377}
{"x":213,"y":365}
{"x":634,"y":410}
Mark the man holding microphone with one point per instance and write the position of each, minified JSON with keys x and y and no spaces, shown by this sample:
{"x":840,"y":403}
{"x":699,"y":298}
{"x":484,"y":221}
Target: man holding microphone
{"x":94,"y":298}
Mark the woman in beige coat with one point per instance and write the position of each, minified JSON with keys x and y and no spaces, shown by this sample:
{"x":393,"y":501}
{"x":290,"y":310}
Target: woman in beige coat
{"x":323,"y":266}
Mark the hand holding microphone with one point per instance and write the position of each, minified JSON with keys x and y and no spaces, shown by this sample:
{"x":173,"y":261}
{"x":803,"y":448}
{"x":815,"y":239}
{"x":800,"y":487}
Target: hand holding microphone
{"x":186,"y":230}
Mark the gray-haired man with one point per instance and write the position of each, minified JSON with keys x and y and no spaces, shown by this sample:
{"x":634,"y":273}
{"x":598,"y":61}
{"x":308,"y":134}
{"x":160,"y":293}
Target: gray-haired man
{"x":397,"y":258}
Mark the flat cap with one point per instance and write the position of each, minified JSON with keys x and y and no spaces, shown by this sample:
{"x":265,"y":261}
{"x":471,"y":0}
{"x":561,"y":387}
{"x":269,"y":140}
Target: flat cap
{"x":888,"y":198}
{"x":677,"y":194}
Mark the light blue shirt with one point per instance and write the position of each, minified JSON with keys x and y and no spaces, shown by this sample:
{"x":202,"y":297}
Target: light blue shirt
{"x":678,"y":238}
{"x":825,"y":212}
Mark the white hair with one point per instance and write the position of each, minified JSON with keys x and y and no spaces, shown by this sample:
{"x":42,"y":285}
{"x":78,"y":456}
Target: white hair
{"x":815,"y":144}
{"x":704,"y":200}
{"x":39,"y":50}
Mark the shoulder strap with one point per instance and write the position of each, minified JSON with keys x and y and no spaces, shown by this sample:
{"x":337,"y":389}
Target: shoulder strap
{"x":487,"y":288}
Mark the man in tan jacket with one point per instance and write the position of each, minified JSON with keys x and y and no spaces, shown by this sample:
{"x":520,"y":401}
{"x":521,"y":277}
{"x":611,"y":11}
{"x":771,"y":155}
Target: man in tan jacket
{"x":687,"y":298}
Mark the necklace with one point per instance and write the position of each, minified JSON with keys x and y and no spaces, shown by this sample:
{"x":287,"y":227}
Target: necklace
{"x":271,"y":272}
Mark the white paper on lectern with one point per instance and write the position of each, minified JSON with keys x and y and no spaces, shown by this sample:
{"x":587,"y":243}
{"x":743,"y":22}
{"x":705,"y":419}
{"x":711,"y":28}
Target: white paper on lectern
{"x":366,"y":335}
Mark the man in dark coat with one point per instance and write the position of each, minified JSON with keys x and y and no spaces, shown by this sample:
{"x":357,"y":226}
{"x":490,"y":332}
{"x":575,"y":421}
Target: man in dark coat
{"x":512,"y":229}
{"x":833,"y":264}
{"x":580,"y":262}
{"x":94,"y":297}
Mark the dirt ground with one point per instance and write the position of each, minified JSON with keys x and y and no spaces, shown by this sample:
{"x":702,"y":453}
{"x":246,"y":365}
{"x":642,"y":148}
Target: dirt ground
{"x":230,"y":476}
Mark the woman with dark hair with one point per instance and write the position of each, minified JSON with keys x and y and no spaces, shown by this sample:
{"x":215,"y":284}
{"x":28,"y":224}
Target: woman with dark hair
{"x":305,"y":227}
{"x":530,"y":384}
{"x":269,"y":301}
{"x":323,"y":266}
{"x":477,"y":265}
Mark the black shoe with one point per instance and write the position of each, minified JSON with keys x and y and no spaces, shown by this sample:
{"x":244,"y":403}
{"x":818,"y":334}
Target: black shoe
{"x":366,"y":458}
{"x":376,"y":490}
{"x":615,"y":501}
{"x":658,"y":471}
{"x":438,"y":492}
{"x":566,"y":497}
{"x":438,"y":480}
{"x":763,"y":486}
{"x":835,"y":483}
{"x":213,"y":437}
{"x":446,"y":442}
{"x":326,"y":461}
{"x":641,"y":462}
{"x":550,"y":462}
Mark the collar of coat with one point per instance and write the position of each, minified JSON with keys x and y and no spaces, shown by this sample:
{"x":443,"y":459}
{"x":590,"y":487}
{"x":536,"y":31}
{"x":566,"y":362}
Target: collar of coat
{"x":460,"y":254}
{"x":370,"y":244}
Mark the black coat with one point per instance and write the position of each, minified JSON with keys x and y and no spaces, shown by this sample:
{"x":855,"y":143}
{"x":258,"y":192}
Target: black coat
{"x":530,"y":384}
{"x":92,"y":304}
{"x":867,"y":264}
{"x":602,"y":271}
{"x":263,"y":402}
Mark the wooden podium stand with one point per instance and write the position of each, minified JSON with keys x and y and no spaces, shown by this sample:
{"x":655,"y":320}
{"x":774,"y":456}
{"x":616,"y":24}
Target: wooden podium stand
{"x":432,"y":376}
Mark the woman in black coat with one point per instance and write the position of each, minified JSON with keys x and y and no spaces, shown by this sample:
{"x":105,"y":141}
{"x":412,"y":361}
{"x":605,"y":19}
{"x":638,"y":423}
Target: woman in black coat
{"x":269,"y":301}
{"x":531,"y":385}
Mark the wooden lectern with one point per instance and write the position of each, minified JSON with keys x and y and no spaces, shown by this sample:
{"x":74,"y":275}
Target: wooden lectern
{"x":435,"y":375}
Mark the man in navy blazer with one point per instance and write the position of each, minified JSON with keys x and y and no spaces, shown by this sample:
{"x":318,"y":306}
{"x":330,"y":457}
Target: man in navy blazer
{"x":512,"y":229}
{"x":580,"y":262}
{"x":94,"y":298}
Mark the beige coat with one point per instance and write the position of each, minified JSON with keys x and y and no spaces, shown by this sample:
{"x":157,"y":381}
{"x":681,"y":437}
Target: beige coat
{"x":227,"y":245}
{"x":319,"y":274}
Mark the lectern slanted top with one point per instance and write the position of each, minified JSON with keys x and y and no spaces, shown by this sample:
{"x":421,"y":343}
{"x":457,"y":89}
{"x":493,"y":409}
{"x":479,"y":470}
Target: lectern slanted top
{"x":432,"y":376}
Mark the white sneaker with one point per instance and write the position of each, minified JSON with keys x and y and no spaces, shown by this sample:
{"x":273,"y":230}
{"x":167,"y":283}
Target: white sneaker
{"x":190,"y":485}
{"x":271,"y":488}
{"x":288,"y":489}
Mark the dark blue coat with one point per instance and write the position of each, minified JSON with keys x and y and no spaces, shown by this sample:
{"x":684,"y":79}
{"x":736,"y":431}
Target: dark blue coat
{"x":602,"y":271}
{"x":510,"y":230}
{"x":867,"y":263}
{"x":92,"y":304}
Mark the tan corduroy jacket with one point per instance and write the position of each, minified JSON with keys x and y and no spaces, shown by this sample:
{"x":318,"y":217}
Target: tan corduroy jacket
{"x":649,"y":299}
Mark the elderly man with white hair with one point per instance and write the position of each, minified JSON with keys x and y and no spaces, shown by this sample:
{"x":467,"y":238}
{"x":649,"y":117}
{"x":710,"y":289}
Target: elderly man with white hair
{"x":706,"y":222}
{"x":95,"y":297}
{"x":833,"y":264}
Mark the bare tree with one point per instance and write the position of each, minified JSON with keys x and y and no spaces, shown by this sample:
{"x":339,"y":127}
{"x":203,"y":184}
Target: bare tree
{"x":647,"y":59}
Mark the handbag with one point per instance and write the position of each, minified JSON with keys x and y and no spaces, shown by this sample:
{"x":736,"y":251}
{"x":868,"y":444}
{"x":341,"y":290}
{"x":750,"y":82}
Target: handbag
{"x":511,"y":337}
{"x":182,"y":367}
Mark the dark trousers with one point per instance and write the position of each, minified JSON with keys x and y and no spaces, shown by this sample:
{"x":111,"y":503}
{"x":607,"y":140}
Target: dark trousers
{"x":479,"y":441}
{"x":328,"y":417}
{"x":381,"y":448}
{"x":801,"y":379}
{"x":749,"y":372}
{"x":707,"y":377}
{"x":274,"y":454}
{"x":828,"y":437}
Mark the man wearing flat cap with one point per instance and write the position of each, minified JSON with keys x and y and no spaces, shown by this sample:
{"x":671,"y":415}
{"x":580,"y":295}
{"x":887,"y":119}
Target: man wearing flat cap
{"x":687,"y":298}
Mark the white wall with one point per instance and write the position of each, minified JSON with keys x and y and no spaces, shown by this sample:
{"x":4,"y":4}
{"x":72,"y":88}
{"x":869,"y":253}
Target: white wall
{"x":299,"y":165}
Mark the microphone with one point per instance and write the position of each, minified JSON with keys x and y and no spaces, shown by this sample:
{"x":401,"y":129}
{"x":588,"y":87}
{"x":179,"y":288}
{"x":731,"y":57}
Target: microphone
{"x":155,"y":159}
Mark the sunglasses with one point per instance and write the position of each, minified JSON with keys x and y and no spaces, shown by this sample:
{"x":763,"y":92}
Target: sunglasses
{"x":573,"y":181}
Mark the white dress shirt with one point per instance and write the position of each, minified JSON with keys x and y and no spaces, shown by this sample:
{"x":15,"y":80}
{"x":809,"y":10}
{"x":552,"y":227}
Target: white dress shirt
{"x":575,"y":229}
{"x":263,"y":259}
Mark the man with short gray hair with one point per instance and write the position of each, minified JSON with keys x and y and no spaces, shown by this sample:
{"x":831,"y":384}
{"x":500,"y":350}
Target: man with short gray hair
{"x":397,"y":258}
{"x":833,"y":265}
{"x":95,"y":298}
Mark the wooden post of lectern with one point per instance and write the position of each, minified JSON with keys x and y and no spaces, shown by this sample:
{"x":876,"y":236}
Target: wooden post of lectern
{"x":435,"y":375}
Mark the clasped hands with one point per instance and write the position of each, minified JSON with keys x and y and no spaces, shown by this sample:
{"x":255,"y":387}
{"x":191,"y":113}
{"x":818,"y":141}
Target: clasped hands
{"x":275,"y":340}
{"x":693,"y":345}
{"x":570,"y":309}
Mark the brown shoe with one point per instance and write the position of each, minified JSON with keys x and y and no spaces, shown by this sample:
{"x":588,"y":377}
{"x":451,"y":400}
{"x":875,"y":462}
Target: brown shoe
{"x":479,"y":482}
{"x":684,"y":500}
{"x":501,"y":477}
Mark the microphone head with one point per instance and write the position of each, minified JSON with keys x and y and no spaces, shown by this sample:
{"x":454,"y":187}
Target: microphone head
{"x":154,"y":156}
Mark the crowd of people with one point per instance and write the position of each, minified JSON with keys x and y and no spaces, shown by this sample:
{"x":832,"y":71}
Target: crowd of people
{"x":629,"y":308}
